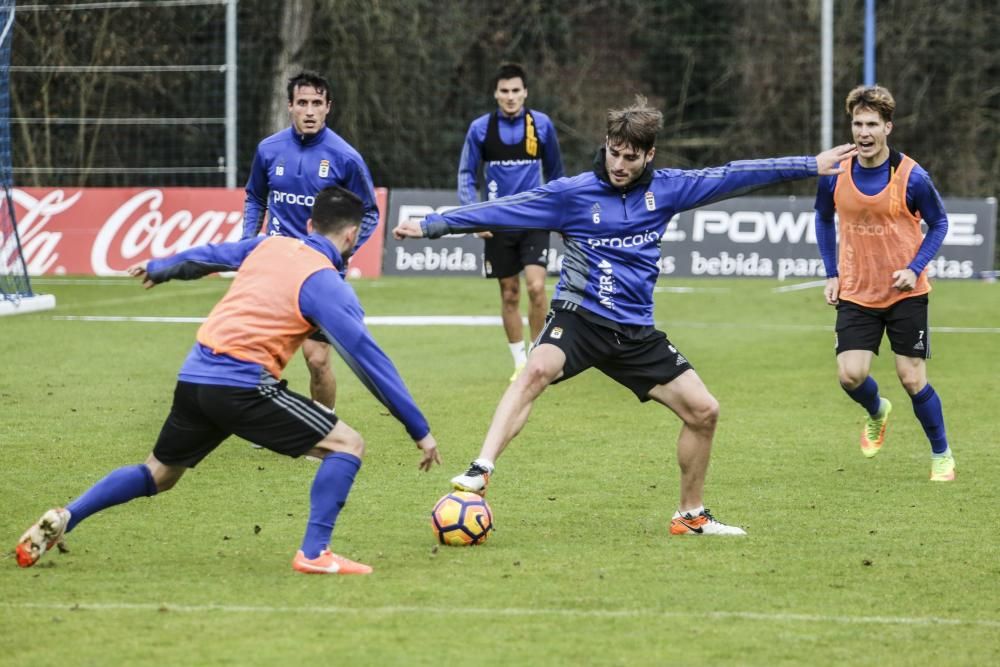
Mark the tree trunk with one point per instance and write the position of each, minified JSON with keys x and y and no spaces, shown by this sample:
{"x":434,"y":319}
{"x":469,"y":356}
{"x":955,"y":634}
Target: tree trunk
{"x":296,"y":17}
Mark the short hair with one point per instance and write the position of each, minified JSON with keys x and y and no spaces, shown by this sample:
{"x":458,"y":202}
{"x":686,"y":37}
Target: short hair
{"x":635,"y":126}
{"x":874,"y":98}
{"x":509,"y":71}
{"x":308,"y":78}
{"x":335,"y":208}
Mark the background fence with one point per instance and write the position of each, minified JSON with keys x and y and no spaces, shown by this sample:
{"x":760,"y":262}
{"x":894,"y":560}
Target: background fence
{"x":132,"y":93}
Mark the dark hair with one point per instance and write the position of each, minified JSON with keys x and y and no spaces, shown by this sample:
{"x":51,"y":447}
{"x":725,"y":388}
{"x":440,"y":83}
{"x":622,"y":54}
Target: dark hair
{"x":509,"y":71}
{"x":873,"y":98}
{"x":634,"y":126}
{"x":308,"y":78}
{"x":335,"y":208}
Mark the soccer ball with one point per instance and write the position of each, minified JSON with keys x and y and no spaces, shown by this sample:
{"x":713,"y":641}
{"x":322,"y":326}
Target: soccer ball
{"x":461,"y":519}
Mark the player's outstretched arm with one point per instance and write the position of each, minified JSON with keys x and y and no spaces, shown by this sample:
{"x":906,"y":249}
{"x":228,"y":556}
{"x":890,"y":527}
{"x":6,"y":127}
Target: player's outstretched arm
{"x":429,"y":454}
{"x":828,"y":162}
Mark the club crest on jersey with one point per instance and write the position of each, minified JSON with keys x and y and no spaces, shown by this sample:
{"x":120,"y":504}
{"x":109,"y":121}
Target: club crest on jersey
{"x":556,"y":333}
{"x":280,"y":170}
{"x":324,"y":168}
{"x":650,"y":201}
{"x":595,"y":213}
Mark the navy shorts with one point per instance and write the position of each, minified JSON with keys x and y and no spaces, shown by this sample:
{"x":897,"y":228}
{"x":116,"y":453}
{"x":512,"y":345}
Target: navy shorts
{"x":861,"y":328}
{"x":507,"y":253}
{"x":203,"y":415}
{"x":639,"y":361}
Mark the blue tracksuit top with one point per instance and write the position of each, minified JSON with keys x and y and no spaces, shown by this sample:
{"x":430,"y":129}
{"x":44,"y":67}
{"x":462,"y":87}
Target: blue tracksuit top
{"x":507,"y":177}
{"x":612,"y":236}
{"x":289,"y":169}
{"x":325,"y":300}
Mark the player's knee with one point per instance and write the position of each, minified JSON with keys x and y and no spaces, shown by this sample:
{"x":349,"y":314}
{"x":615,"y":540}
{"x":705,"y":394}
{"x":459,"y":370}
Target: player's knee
{"x":354,"y":444}
{"x":344,"y":440}
{"x":705,"y":414}
{"x":538,"y":375}
{"x":850,"y":378}
{"x":913,"y":383}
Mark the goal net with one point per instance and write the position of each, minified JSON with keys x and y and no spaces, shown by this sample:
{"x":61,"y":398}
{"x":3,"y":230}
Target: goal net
{"x":16,"y":295}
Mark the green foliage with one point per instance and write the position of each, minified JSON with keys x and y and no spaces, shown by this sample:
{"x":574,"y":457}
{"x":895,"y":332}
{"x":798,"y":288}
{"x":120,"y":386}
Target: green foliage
{"x":847,"y":561}
{"x":735,"y":80}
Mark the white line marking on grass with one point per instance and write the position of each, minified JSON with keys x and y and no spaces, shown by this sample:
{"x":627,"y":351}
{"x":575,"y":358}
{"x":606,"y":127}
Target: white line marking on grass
{"x":798,"y":286}
{"x":506,"y":611}
{"x":493,"y":321}
{"x":690,"y":290}
{"x":390,"y":320}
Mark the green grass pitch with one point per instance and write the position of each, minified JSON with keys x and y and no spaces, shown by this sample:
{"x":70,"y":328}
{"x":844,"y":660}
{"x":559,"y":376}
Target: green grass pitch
{"x":848,"y":561}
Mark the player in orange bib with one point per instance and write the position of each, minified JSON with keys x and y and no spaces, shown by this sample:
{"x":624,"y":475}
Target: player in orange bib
{"x":230,"y":384}
{"x":879,"y":281}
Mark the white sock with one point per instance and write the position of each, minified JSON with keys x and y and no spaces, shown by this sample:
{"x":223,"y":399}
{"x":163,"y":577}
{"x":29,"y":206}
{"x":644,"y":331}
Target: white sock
{"x":692,"y":512}
{"x":485,"y":463}
{"x":519,"y":353}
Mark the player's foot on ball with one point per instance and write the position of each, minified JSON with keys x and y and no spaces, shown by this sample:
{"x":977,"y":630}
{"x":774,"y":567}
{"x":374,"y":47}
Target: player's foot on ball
{"x":943,"y":468}
{"x":702,"y":523}
{"x":46,"y":533}
{"x":475,"y":479}
{"x":873,"y":432}
{"x":328,"y":563}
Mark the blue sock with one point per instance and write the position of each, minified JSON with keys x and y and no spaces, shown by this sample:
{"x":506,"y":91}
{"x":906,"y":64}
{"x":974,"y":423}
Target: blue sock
{"x":329,"y":493}
{"x":119,"y":486}
{"x":927,"y":408}
{"x":866,"y":394}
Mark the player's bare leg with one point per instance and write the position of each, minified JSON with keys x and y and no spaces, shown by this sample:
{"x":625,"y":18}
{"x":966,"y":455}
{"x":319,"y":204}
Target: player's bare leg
{"x":322,"y":383}
{"x":687,"y":396}
{"x":544,"y":366}
{"x":538,"y":302}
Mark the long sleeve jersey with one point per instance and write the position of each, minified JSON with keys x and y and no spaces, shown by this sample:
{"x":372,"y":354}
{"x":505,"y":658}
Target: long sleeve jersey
{"x":502,"y":177}
{"x":324,"y":300}
{"x":613,"y":236}
{"x":922,"y":199}
{"x":289,"y":169}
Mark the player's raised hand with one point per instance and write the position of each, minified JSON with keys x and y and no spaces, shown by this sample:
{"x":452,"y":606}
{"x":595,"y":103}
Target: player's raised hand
{"x":408,"y":229}
{"x":429,"y":454}
{"x":828,"y":162}
{"x":139,"y":271}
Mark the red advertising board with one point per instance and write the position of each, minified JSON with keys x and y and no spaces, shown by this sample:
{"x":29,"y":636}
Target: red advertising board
{"x":103,"y":231}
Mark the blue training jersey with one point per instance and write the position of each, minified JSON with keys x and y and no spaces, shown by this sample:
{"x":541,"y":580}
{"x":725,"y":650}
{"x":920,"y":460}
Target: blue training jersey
{"x":507,"y":176}
{"x":612,"y":236}
{"x":921,"y":198}
{"x":287,"y":172}
{"x":325,"y":299}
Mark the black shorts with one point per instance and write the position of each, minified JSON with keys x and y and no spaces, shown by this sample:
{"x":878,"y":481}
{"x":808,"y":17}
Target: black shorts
{"x":639,"y":362}
{"x":507,"y":253}
{"x":861,"y":328}
{"x":203,"y":415}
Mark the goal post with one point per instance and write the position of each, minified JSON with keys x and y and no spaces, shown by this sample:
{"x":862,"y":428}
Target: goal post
{"x":16,"y":295}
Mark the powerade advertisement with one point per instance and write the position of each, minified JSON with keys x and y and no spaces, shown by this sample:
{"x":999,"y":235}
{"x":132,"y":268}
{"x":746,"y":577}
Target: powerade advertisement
{"x":767,"y":237}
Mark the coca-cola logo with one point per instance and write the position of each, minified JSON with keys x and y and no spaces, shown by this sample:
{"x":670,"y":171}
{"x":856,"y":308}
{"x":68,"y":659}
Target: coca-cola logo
{"x":139,"y":229}
{"x":38,"y":245}
{"x":57,"y":229}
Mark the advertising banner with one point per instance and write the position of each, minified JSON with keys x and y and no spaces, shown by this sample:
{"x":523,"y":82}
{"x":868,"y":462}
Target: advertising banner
{"x":771,"y":237}
{"x":103,"y":231}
